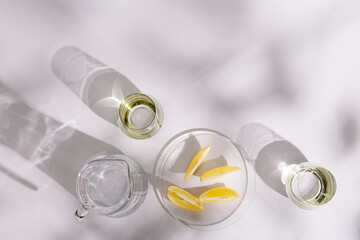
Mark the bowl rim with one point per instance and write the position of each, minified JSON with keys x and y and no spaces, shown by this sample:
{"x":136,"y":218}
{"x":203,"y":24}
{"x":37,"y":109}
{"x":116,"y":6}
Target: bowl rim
{"x":250,"y":187}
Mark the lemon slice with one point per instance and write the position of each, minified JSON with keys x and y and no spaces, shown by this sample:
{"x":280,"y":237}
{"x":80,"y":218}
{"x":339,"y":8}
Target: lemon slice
{"x":218,"y":172}
{"x":183,"y":199}
{"x":195,"y":163}
{"x":220,"y":194}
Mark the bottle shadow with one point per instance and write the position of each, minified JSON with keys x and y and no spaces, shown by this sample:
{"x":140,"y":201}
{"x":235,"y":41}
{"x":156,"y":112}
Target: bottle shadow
{"x":269,"y":153}
{"x":100,"y":87}
{"x":57,"y":149}
{"x":272,"y":158}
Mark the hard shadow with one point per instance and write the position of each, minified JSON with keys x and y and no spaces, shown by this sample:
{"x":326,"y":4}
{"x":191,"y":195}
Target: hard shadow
{"x":18,"y":178}
{"x":57,"y":149}
{"x":189,"y":150}
{"x":151,"y":178}
{"x":196,"y":191}
{"x":210,"y":164}
{"x":99,"y":86}
{"x":269,"y":153}
{"x":62,"y":158}
{"x":272,"y":158}
{"x":60,"y":151}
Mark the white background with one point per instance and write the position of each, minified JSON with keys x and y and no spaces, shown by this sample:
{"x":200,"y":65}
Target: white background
{"x":292,"y":65}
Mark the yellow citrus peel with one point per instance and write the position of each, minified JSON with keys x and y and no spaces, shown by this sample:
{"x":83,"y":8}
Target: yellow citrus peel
{"x":219,"y":195}
{"x":196,"y":162}
{"x":183,"y":199}
{"x":218,"y":172}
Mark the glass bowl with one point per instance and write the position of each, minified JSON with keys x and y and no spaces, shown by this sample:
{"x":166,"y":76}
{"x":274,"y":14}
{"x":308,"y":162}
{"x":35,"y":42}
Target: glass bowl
{"x":173,"y":161}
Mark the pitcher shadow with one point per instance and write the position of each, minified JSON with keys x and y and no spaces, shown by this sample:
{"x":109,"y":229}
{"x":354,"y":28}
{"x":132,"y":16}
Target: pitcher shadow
{"x":57,"y":149}
{"x":68,"y":156}
{"x":18,"y":178}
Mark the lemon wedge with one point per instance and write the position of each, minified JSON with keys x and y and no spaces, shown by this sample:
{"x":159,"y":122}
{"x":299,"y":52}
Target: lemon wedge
{"x":195,"y":163}
{"x":220,"y":194}
{"x":183,"y":199}
{"x":218,"y":172}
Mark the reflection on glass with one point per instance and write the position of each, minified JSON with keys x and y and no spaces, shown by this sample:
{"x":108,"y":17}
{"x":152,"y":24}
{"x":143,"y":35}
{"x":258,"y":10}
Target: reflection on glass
{"x":278,"y":162}
{"x":108,"y":93}
{"x":139,"y":116}
{"x":309,"y":185}
{"x":175,"y":157}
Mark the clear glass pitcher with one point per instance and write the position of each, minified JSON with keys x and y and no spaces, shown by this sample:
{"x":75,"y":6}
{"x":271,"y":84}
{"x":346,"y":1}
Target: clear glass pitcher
{"x":110,"y":185}
{"x":282,"y":166}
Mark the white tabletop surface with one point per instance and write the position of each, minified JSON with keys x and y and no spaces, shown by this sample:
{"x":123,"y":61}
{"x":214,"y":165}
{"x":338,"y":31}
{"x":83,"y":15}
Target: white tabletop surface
{"x":292,"y":65}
